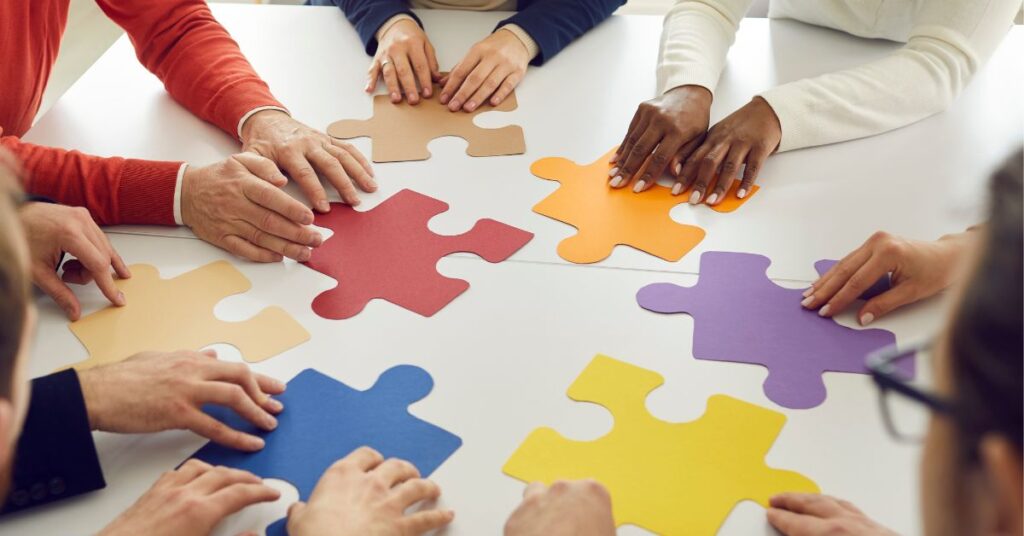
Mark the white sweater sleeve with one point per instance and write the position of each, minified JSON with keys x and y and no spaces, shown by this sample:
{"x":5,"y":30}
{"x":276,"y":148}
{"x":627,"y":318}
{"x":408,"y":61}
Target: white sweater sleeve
{"x":949,"y":41}
{"x":695,"y":40}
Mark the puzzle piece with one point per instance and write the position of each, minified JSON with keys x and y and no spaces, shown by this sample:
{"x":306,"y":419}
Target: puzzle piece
{"x":390,"y":253}
{"x":324,"y":420}
{"x":743,"y":317}
{"x":883,"y":284}
{"x":669,"y":478}
{"x":606,"y":217}
{"x":177,"y":313}
{"x":402,"y":131}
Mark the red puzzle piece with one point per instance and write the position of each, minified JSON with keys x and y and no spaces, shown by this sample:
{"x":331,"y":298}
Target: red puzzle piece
{"x":390,"y":253}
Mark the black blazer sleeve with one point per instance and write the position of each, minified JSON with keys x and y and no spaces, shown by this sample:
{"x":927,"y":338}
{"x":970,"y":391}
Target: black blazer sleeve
{"x":368,"y":15}
{"x":553,"y":24}
{"x":56,"y":457}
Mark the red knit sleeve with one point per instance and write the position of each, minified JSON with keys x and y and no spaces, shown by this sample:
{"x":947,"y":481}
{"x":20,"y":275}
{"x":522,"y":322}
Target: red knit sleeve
{"x":115,"y":190}
{"x":200,"y":65}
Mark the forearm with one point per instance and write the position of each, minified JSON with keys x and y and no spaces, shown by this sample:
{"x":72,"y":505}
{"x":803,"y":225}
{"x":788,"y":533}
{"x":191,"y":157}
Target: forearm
{"x":553,"y":24}
{"x":369,"y":17}
{"x":695,"y":41}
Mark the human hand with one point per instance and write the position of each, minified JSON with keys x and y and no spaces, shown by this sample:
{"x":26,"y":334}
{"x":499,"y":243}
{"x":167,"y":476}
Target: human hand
{"x":363,"y":494}
{"x":919,"y":269}
{"x":302,"y":152}
{"x":192,"y":500}
{"x":156,"y":391}
{"x":491,"y":70}
{"x":237,"y":204}
{"x":665,"y":130}
{"x":52,"y":229}
{"x":810,"y":514}
{"x":404,"y":58}
{"x":580,"y":507}
{"x":746,"y":136}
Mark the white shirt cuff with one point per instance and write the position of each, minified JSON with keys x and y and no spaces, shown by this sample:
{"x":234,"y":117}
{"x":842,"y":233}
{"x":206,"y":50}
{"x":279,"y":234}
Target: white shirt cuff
{"x":177,"y":194}
{"x":254,"y":111}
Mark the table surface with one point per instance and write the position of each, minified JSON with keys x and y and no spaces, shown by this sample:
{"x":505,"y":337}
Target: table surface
{"x":503,"y":354}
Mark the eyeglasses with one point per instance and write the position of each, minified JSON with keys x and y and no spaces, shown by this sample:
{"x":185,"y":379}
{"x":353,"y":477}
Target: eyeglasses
{"x":904,"y":377}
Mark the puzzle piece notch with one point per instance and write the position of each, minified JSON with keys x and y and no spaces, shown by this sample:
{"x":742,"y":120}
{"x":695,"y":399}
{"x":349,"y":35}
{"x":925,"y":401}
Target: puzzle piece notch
{"x":670,"y":478}
{"x":177,"y":313}
{"x":605,"y":217}
{"x":402,"y":131}
{"x":741,"y":316}
{"x":389,"y":252}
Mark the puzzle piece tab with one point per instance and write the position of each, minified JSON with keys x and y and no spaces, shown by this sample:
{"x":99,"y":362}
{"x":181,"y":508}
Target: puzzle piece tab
{"x":669,"y":478}
{"x":389,"y":252}
{"x":606,"y":217}
{"x":177,"y":313}
{"x":402,"y":131}
{"x":741,"y":316}
{"x":324,"y":420}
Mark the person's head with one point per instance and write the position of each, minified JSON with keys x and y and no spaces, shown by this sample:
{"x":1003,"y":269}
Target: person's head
{"x":17,"y":319}
{"x":971,"y":466}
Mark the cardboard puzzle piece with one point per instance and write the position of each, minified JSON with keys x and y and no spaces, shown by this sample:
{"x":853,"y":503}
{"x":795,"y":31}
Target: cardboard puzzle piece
{"x":324,"y":420}
{"x":606,"y":217}
{"x":402,"y":131}
{"x":388,"y":252}
{"x":741,"y":316}
{"x":669,"y":478}
{"x":883,"y":284}
{"x":177,"y":313}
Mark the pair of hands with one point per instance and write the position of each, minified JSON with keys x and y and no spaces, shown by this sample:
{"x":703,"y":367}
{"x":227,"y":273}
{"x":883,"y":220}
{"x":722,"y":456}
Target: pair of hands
{"x":670,"y":134}
{"x":406,"y":60}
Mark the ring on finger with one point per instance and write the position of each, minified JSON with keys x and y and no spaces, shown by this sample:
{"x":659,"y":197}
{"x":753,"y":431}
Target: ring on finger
{"x":384,"y":62}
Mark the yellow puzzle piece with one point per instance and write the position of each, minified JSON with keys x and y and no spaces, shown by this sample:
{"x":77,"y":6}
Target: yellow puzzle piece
{"x":670,"y":478}
{"x":177,"y":314}
{"x":606,"y":217}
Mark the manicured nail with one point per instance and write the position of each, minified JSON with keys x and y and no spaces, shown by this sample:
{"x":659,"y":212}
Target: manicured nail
{"x":639,"y":186}
{"x":323,"y":205}
{"x":678,"y":168}
{"x":741,"y":193}
{"x":808,"y":292}
{"x":866,"y":319}
{"x":695,"y":198}
{"x":613,"y":171}
{"x":824,"y":310}
{"x":712,"y":198}
{"x":807,"y":301}
{"x":616,"y":182}
{"x":120,"y":298}
{"x":677,"y":188}
{"x":614,"y":158}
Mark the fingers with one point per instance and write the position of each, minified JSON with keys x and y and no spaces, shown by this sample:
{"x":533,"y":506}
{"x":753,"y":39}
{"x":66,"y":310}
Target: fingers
{"x":190,"y":470}
{"x":391,"y":80}
{"x":372,"y":76}
{"x":421,"y":68}
{"x":359,"y":157}
{"x":886,"y":302}
{"x":299,"y":169}
{"x":329,"y":166}
{"x":658,"y":163}
{"x":423,"y":522}
{"x":241,"y":375}
{"x":415,"y":490}
{"x":220,"y":477}
{"x":98,"y":263}
{"x":270,"y":385}
{"x":235,"y":397}
{"x":363,"y":459}
{"x":47,"y":281}
{"x":464,"y":96}
{"x":435,"y":70}
{"x":220,"y":433}
{"x":807,"y":503}
{"x":534,"y":488}
{"x":233,"y":498}
{"x":395,"y":471}
{"x":455,"y":79}
{"x":730,"y":167}
{"x":634,"y":160}
{"x":241,"y":247}
{"x":506,"y":88}
{"x":861,"y":280}
{"x":682,"y":156}
{"x":487,"y":88}
{"x":755,"y":159}
{"x":707,"y":172}
{"x":274,"y":199}
{"x":792,"y":524}
{"x":688,"y":171}
{"x":825,"y":288}
{"x":406,"y":78}
{"x":261,"y":167}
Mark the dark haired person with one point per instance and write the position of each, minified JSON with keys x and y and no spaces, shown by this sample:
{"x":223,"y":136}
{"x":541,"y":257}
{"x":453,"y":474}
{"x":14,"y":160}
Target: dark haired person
{"x":972,"y":478}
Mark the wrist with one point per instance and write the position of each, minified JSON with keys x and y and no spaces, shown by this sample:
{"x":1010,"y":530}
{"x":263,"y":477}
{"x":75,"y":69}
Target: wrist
{"x":90,"y":395}
{"x":700,"y":93}
{"x":188,"y":180}
{"x":259,"y":121}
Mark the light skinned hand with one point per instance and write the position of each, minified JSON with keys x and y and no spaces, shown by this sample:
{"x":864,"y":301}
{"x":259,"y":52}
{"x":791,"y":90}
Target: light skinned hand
{"x":191,"y":500}
{"x":406,"y":61}
{"x":52,"y":229}
{"x":919,"y":269}
{"x":156,"y":391}
{"x":364,"y":494}
{"x":663,"y":133}
{"x":304,"y":152}
{"x":566,"y":508}
{"x":746,"y":137}
{"x":489,"y":72}
{"x":810,"y":514}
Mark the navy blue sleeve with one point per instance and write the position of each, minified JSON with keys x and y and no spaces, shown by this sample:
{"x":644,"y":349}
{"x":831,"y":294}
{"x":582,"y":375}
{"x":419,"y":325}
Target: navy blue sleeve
{"x":368,"y":15}
{"x":553,"y":24}
{"x":56,"y":457}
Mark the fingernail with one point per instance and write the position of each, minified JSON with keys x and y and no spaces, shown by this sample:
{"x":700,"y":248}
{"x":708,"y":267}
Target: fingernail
{"x":275,"y":405}
{"x":712,"y":198}
{"x":304,"y":255}
{"x":677,"y":188}
{"x":695,"y":198}
{"x":807,"y":301}
{"x":279,"y":385}
{"x":824,"y":310}
{"x":444,"y":98}
{"x":454,"y":105}
{"x":639,"y":186}
{"x":678,"y":168}
{"x":614,"y":158}
{"x":395,"y":96}
{"x":470,"y":105}
{"x":372,"y":183}
{"x":270,"y":422}
{"x":323,"y":205}
{"x":613,"y":171}
{"x":120,"y":298}
{"x":741,"y":193}
{"x":866,"y":319}
{"x":257,"y":443}
{"x":616,"y":182}
{"x":426,"y":92}
{"x":808,"y":292}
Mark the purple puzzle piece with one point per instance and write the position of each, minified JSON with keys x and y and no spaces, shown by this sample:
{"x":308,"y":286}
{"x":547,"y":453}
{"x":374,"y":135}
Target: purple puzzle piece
{"x":741,"y":316}
{"x":883,"y":284}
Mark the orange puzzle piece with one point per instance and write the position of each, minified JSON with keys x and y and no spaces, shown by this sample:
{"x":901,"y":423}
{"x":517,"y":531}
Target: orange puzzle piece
{"x":177,"y":314}
{"x":606,"y":217}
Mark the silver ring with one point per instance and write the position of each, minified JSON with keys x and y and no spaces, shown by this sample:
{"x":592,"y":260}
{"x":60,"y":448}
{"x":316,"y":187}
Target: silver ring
{"x":384,"y":62}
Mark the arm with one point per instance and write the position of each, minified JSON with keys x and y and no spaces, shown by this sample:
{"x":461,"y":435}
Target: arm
{"x":369,"y":16}
{"x":695,"y":41}
{"x":56,"y":457}
{"x":949,"y":42}
{"x":553,"y":24}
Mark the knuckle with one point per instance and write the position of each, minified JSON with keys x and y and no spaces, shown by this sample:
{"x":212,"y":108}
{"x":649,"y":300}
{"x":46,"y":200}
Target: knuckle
{"x":560,"y":486}
{"x":659,"y":159}
{"x":880,"y":236}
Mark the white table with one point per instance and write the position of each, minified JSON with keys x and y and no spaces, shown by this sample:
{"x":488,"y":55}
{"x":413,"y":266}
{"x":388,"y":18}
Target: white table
{"x":503,"y":354}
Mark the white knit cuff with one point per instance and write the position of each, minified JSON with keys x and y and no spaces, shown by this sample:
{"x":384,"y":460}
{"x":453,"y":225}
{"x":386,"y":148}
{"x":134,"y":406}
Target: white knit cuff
{"x":391,"y":22}
{"x":671,"y":77}
{"x":177,"y":194}
{"x":795,"y":122}
{"x":531,"y":46}
{"x":254,"y":111}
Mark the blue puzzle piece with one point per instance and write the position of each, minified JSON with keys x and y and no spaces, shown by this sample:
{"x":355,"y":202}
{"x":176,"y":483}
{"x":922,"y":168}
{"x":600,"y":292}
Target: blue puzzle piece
{"x":324,"y":420}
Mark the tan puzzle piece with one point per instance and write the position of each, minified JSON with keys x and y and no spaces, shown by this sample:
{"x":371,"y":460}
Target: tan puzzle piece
{"x":177,"y":314}
{"x":402,"y":131}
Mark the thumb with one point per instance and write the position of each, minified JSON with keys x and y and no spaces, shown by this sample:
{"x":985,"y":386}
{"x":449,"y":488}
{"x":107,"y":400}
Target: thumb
{"x":296,"y":509}
{"x":884,"y":303}
{"x":47,"y":281}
